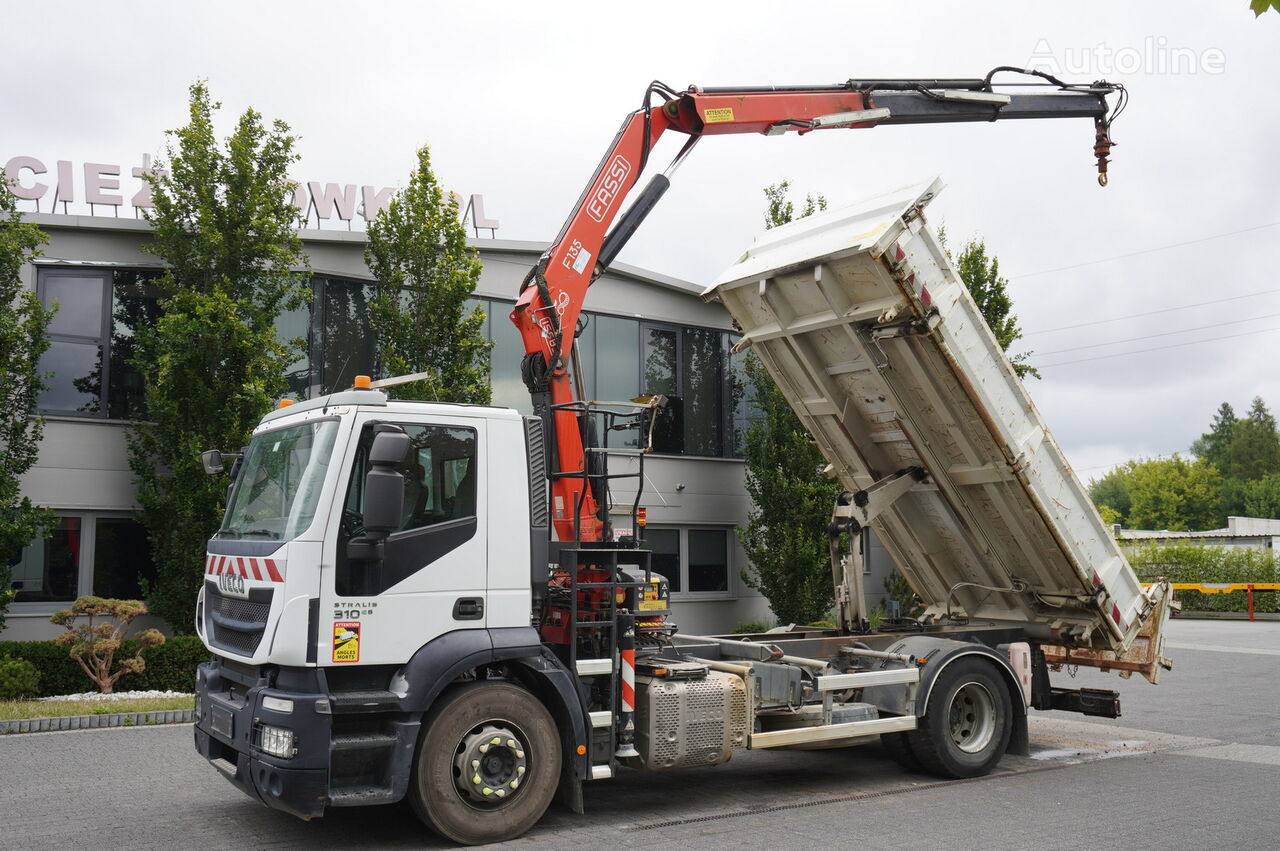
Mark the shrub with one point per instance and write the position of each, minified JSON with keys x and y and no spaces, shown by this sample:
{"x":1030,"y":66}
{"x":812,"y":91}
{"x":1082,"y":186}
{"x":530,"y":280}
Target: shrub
{"x":18,"y":679}
{"x":749,"y":627}
{"x":58,"y":673}
{"x":93,"y":643}
{"x":1190,"y":563}
{"x":170,"y":666}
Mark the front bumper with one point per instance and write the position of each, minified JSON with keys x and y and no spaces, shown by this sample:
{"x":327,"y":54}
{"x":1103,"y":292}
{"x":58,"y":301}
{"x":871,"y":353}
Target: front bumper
{"x":229,"y":714}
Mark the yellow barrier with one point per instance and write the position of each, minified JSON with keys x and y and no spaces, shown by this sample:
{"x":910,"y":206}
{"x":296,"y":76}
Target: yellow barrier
{"x":1224,"y":588}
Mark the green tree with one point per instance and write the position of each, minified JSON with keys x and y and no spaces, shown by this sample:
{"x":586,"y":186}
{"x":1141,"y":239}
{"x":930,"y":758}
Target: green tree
{"x":981,"y":276}
{"x":1112,"y":492}
{"x":23,"y":321}
{"x":1212,"y":445}
{"x":1173,"y":494}
{"x":1254,"y":448}
{"x":785,"y":538}
{"x":1260,"y":7}
{"x":211,"y":364}
{"x":781,"y":210}
{"x":425,"y":273}
{"x":1261,"y":497}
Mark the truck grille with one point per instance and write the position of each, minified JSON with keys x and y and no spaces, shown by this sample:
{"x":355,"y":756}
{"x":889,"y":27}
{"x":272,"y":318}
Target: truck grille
{"x":234,"y":623}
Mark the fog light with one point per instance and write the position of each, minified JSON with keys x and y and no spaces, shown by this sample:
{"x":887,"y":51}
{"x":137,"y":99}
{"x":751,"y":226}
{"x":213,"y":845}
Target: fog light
{"x":277,"y":704}
{"x":277,"y":741}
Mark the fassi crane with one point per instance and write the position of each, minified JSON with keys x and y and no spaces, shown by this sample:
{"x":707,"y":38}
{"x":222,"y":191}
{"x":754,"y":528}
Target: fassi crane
{"x":551,"y":297}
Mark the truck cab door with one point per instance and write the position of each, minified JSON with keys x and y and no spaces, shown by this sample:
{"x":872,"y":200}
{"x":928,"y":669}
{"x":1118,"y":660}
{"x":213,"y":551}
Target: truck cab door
{"x":432,"y":578}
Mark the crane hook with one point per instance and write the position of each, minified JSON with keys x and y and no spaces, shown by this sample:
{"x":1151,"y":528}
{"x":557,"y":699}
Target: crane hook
{"x":1102,"y":147}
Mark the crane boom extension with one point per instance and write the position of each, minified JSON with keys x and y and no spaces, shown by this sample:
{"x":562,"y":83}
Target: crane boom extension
{"x":551,"y":297}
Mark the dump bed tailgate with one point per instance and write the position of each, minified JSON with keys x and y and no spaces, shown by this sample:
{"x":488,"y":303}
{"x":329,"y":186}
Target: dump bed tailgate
{"x":879,"y":348}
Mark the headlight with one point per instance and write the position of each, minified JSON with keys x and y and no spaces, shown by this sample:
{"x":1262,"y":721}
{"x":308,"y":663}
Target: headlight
{"x":277,"y":741}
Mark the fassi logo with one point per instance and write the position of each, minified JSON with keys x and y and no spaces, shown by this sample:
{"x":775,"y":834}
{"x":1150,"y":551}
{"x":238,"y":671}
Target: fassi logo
{"x":607,"y":190}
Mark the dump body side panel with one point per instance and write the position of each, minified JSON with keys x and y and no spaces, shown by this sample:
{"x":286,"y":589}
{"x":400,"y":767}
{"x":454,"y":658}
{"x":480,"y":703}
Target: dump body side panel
{"x":875,"y":342}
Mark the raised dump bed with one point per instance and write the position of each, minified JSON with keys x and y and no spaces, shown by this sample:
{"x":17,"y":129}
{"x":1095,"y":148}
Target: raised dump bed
{"x":866,"y":327}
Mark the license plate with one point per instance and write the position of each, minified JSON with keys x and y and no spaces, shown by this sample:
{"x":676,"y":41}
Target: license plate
{"x":223,"y":721}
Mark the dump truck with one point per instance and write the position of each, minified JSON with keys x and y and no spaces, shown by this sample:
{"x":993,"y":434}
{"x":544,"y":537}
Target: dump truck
{"x":429,"y":601}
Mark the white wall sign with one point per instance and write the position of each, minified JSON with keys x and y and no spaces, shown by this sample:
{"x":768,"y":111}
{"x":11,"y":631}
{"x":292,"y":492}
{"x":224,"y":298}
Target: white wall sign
{"x":100,"y":185}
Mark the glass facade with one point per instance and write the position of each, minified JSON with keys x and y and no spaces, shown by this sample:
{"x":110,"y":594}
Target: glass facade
{"x":92,"y":339}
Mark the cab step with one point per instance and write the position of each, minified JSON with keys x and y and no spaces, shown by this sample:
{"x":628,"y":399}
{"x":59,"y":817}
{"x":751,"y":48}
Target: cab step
{"x":344,"y":702}
{"x":360,"y":796}
{"x":362,"y":742}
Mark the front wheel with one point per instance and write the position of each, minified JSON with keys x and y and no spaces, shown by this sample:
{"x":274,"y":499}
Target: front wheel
{"x":967,"y":722}
{"x":488,"y":763}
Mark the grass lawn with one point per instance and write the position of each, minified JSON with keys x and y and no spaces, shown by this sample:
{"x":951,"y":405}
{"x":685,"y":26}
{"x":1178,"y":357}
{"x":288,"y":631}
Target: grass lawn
{"x":15,"y":709}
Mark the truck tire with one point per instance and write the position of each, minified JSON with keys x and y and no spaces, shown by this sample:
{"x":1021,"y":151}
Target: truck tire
{"x":898,"y":746}
{"x":967,"y":722}
{"x":487,"y":765}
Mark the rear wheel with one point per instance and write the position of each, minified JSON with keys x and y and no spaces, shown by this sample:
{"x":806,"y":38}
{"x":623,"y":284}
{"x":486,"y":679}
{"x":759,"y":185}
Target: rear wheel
{"x":488,"y":763}
{"x":898,"y":747}
{"x":967,"y":723}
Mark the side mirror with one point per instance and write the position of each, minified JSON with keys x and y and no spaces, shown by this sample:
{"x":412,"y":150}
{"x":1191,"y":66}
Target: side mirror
{"x":384,"y":485}
{"x":212,"y":461}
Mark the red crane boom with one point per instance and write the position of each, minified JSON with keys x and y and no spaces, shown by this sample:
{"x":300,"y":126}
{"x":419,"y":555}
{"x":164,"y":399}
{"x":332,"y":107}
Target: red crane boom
{"x":552,"y":295}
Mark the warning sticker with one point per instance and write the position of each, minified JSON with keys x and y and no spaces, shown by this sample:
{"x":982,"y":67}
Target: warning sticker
{"x":346,"y":641}
{"x":718,"y":115}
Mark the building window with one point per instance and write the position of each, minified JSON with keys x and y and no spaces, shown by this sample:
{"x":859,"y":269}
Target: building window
{"x":48,"y":570}
{"x":121,"y":559}
{"x":695,"y":561}
{"x":88,"y":553}
{"x":91,"y":340}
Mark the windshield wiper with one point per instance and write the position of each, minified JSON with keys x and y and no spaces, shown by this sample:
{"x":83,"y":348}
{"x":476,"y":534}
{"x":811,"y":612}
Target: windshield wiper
{"x":230,"y":532}
{"x":267,"y":532}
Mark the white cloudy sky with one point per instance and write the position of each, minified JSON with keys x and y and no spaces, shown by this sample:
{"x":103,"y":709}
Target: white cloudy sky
{"x":519,"y":99}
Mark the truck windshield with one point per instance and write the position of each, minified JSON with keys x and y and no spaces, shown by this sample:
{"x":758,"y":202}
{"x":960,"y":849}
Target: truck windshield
{"x":278,"y":488}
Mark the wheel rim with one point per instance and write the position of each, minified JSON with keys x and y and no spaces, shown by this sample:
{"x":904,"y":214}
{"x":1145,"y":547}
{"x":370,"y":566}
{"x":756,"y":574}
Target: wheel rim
{"x":490,"y":763}
{"x":972,"y":717}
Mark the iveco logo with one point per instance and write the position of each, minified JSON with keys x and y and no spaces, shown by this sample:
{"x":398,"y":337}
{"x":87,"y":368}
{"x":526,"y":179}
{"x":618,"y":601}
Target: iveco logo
{"x":607,"y":190}
{"x":229,"y":583}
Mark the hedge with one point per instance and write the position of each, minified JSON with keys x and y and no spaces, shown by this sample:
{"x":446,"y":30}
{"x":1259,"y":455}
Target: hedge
{"x":1190,"y":563}
{"x":170,"y":667}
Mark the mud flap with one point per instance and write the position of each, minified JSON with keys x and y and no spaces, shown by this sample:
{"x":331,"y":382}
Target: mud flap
{"x":1145,"y":655}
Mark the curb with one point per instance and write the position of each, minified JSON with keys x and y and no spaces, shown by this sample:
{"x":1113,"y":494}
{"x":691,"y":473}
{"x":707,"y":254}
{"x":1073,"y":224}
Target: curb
{"x":1227,"y":616}
{"x":92,"y":722}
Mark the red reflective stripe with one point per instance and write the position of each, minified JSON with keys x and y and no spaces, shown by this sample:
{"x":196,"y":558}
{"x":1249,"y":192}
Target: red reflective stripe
{"x":253,"y":563}
{"x":220,"y":565}
{"x":628,"y":680}
{"x":628,"y":697}
{"x":271,"y":570}
{"x":1115,"y":614}
{"x":240,"y":565}
{"x":1097,"y":580}
{"x":208,"y":563}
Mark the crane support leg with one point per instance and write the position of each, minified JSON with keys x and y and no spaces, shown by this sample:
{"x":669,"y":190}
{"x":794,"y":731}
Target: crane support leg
{"x":852,"y":512}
